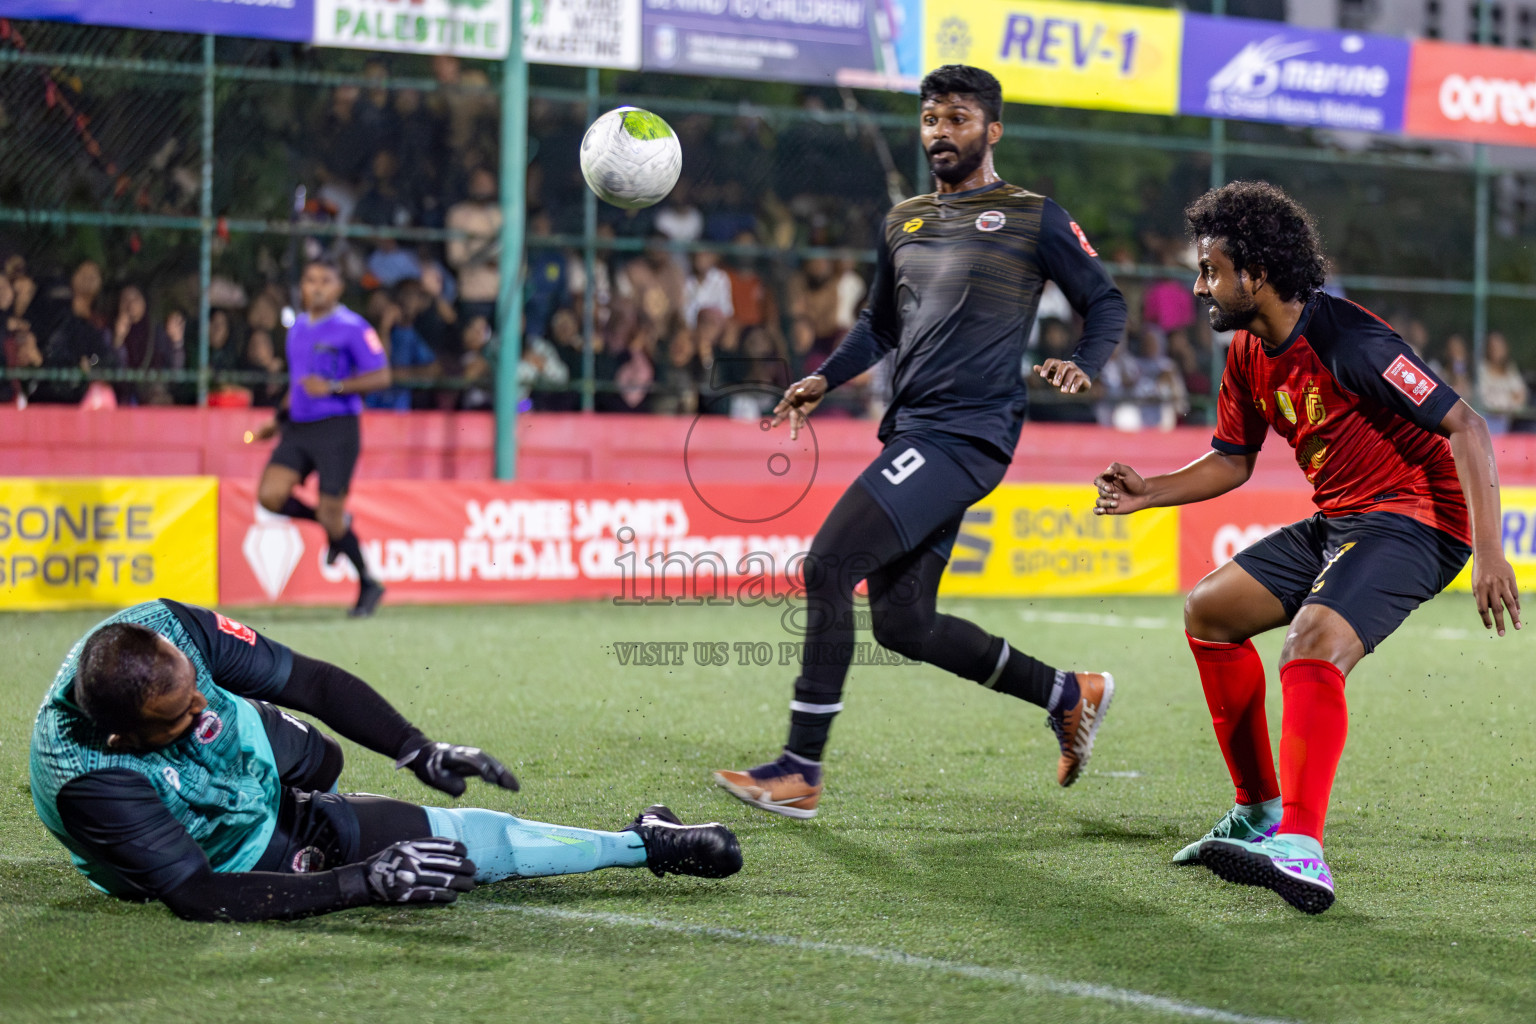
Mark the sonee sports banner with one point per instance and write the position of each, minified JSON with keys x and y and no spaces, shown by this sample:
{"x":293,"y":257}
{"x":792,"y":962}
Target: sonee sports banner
{"x":114,"y":541}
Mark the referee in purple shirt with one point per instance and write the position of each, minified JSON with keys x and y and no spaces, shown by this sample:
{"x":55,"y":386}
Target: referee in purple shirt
{"x":334,"y":358}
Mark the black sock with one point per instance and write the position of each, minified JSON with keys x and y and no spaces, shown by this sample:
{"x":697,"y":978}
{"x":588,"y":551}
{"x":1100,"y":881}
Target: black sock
{"x":810,"y":717}
{"x":293,"y":508}
{"x":1028,"y":679}
{"x":808,"y":734}
{"x":347,"y":544}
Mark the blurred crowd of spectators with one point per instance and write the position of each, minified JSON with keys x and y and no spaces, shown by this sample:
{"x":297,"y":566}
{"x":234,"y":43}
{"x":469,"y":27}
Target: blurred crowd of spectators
{"x":674,"y":330}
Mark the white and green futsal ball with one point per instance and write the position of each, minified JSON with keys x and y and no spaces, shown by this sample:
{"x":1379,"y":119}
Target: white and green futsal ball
{"x":630,"y":158}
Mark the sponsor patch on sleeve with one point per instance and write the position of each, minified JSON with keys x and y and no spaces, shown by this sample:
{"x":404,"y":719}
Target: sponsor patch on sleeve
{"x":235,"y":629}
{"x":371,"y":336}
{"x":1082,"y":240}
{"x":1410,"y":380}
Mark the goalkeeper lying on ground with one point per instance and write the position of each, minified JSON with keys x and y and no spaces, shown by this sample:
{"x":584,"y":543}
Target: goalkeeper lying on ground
{"x":158,"y":762}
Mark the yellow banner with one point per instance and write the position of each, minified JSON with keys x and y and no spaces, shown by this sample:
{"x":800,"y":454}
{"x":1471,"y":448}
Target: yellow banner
{"x":1040,"y":540}
{"x":1519,"y":526}
{"x":1101,"y":56}
{"x":70,"y":543}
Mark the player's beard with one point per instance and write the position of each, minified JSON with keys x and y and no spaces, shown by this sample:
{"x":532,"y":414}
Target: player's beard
{"x":1233,"y":316}
{"x":964,"y":165}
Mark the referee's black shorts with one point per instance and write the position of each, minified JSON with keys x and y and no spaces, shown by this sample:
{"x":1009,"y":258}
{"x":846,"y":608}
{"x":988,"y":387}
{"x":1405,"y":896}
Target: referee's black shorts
{"x":1372,"y":568}
{"x":329,"y":446}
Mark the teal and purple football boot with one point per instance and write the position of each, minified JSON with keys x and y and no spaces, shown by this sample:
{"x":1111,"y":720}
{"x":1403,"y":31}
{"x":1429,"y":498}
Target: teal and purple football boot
{"x":1291,"y":865}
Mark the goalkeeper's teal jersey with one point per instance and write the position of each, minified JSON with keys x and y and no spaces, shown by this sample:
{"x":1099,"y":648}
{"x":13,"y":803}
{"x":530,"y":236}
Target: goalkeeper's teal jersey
{"x":220,"y":780}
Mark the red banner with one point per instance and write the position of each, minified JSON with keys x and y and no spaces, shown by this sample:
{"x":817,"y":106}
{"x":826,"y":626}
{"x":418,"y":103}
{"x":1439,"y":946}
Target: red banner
{"x":463,"y":541}
{"x":1475,"y":93}
{"x":1211,"y":532}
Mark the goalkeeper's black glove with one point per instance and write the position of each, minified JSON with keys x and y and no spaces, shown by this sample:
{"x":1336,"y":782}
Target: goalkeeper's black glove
{"x":415,"y":871}
{"x":445,"y":766}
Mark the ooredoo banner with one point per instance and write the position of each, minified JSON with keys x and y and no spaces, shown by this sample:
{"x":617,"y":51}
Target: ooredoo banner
{"x":1474,"y":93}
{"x":1211,"y":532}
{"x":1026,"y":540}
{"x":109,"y":541}
{"x":782,"y":40}
{"x":1103,"y":56}
{"x":490,"y":542}
{"x":1268,"y":71}
{"x":264,"y":19}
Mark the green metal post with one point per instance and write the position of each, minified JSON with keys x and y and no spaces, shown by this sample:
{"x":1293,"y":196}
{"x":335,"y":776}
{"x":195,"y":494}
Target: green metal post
{"x":589,"y":261}
{"x":1218,"y":150}
{"x":514,"y":212}
{"x":1480,"y":200}
{"x":205,"y":226}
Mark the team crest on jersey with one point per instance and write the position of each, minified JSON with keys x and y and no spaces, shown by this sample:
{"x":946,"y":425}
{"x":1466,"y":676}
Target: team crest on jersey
{"x":235,"y":629}
{"x":309,"y":859}
{"x":1410,"y":380}
{"x":912,"y":225}
{"x":992,"y":220}
{"x":209,"y":725}
{"x":172,"y":776}
{"x":1283,"y":403}
{"x":1312,"y":402}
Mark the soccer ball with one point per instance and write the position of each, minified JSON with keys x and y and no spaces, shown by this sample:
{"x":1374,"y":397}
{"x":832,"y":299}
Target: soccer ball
{"x":630,"y":158}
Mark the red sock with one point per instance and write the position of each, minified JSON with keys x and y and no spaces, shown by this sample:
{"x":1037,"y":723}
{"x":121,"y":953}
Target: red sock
{"x":1233,"y":678}
{"x":1312,"y":731}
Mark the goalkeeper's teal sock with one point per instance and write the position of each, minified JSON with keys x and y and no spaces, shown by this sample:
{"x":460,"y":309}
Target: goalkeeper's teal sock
{"x":506,"y":847}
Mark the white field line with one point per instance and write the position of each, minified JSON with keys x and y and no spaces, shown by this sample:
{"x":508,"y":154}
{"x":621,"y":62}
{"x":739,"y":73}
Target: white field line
{"x":1093,"y":619}
{"x":1016,"y":979}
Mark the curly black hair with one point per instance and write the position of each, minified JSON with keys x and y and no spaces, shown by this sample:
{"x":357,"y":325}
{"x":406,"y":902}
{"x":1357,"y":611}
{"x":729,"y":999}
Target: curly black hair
{"x":964,"y":80}
{"x":1259,"y":225}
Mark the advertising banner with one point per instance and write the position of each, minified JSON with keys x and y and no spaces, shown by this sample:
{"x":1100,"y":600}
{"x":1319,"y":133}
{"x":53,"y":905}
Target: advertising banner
{"x":1211,"y":532}
{"x":1474,"y":93}
{"x":492,"y":542}
{"x":782,"y":40}
{"x":582,"y":33}
{"x":263,"y":19}
{"x":1043,"y":540}
{"x":1264,"y":71}
{"x":465,"y":28}
{"x":1101,"y":56}
{"x":1519,"y":528}
{"x":111,"y":541}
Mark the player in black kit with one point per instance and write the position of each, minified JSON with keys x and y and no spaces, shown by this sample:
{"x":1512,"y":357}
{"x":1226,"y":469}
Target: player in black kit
{"x":957,"y":281}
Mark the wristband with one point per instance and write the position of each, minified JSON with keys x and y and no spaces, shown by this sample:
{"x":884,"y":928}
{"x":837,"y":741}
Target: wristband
{"x":336,"y":387}
{"x":352,"y":879}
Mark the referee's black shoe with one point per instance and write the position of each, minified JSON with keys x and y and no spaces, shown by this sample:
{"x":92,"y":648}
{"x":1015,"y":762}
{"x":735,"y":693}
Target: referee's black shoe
{"x":707,"y":851}
{"x":368,"y":597}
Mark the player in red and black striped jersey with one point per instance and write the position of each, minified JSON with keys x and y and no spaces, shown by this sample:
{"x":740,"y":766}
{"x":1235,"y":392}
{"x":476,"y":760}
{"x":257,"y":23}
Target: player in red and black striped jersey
{"x":1403,"y":474}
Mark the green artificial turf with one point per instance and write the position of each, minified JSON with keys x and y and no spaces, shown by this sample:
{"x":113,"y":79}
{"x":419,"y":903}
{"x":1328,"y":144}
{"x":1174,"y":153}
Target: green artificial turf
{"x":947,"y":878}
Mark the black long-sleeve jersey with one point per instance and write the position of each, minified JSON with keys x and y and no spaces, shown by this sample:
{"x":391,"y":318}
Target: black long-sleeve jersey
{"x":957,"y":282}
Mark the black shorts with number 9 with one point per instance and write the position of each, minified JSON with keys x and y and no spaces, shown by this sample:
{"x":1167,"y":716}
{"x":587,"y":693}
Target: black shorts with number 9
{"x":926,"y":481}
{"x":1372,"y":568}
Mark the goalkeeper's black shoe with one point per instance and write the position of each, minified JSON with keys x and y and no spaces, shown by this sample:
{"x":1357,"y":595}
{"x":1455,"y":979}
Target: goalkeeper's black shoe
{"x":708,"y":851}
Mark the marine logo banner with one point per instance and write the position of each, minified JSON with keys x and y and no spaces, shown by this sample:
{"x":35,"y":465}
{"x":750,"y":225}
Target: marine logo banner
{"x":1101,"y":56}
{"x":1265,"y":71}
{"x":109,"y":541}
